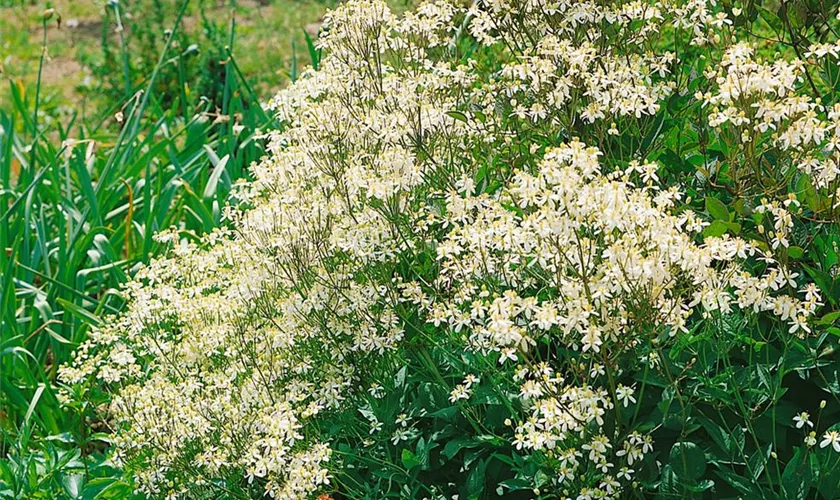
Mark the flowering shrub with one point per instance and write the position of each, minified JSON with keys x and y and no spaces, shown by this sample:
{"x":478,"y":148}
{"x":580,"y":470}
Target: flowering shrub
{"x":558,"y":250}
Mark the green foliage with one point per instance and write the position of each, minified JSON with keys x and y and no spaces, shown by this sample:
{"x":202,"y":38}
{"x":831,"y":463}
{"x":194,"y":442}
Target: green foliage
{"x":143,"y":28}
{"x":720,"y":399}
{"x":194,"y":71}
{"x":58,"y":470}
{"x":79,"y":204}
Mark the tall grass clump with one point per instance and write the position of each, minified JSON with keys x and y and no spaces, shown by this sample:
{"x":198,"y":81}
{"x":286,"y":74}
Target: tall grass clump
{"x":523,"y":249}
{"x":133,"y":35}
{"x":80,"y":201}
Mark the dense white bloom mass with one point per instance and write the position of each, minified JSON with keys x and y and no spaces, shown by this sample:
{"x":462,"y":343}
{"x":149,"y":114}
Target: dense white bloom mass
{"x":417,"y":185}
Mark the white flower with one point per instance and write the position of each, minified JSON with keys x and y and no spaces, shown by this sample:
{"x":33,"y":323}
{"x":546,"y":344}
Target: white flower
{"x":402,"y":420}
{"x":458,"y":393}
{"x":625,"y":394}
{"x":507,"y":354}
{"x":625,"y":473}
{"x":802,"y":420}
{"x":799,"y":322}
{"x":376,"y":390}
{"x":375,"y":426}
{"x":831,"y":438}
{"x":399,"y":435}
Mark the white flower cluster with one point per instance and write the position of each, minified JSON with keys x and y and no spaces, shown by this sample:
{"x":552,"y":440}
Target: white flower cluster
{"x":761,"y":103}
{"x":605,"y":248}
{"x":403,"y":186}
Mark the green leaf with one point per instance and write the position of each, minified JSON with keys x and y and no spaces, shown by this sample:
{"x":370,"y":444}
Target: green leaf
{"x":653,"y":133}
{"x":715,"y":229}
{"x":213,"y":181}
{"x":717,"y":209}
{"x":72,"y":484}
{"x":733,"y":227}
{"x":812,"y":198}
{"x":758,"y":461}
{"x":720,"y":436}
{"x":115,"y":490}
{"x":314,"y":53}
{"x":668,"y":484}
{"x":448,"y":414}
{"x":33,"y":402}
{"x":771,"y":19}
{"x":829,"y":319}
{"x":687,"y":460}
{"x":79,"y":312}
{"x":399,"y":378}
{"x":700,"y":487}
{"x":458,"y":116}
{"x":409,"y":459}
{"x":796,"y":477}
{"x":795,"y":252}
{"x":422,"y":452}
{"x":740,"y":483}
{"x":476,"y":481}
{"x":455,"y":445}
{"x":516,"y":484}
